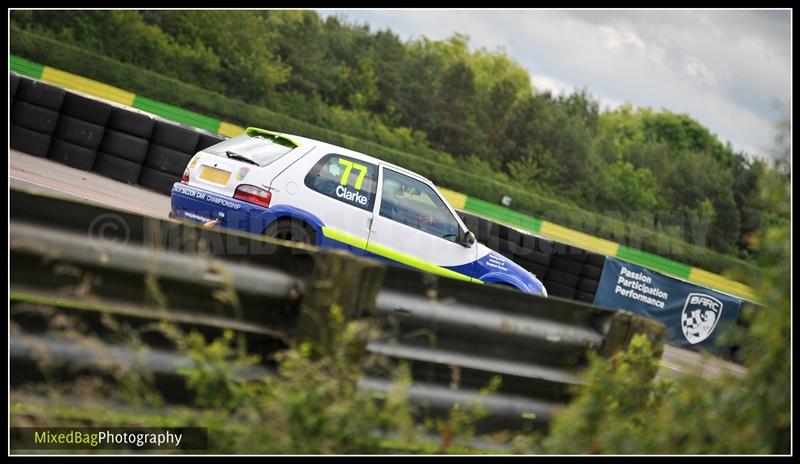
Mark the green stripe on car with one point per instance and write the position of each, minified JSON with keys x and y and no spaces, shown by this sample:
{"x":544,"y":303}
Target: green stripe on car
{"x":360,"y":243}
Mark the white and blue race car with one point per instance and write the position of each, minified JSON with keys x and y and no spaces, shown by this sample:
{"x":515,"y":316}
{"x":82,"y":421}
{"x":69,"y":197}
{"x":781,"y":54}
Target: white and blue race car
{"x":304,"y":190}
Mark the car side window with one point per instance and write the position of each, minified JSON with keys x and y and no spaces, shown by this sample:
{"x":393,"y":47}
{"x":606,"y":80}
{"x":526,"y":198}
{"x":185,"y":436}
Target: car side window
{"x":345,"y":179}
{"x":415,"y":204}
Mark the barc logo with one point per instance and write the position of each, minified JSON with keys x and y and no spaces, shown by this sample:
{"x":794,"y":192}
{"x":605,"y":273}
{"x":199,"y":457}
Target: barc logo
{"x":700,"y":315}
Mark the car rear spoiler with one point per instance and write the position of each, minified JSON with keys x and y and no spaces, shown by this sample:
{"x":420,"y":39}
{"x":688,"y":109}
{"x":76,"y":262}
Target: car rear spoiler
{"x":282,"y":139}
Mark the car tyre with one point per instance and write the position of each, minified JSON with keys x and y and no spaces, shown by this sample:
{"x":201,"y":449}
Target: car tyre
{"x":86,"y":109}
{"x":117,"y":168}
{"x":71,"y":154}
{"x":166,"y":159}
{"x":567,"y":265}
{"x":125,"y":146}
{"x":34,"y":117}
{"x":40,"y":94}
{"x":131,"y":122}
{"x":557,"y":289}
{"x":595,"y":259}
{"x":157,"y":180}
{"x":291,"y":230}
{"x":79,"y":132}
{"x":587,"y":285}
{"x":30,"y":142}
{"x":592,"y":272}
{"x":175,"y":137}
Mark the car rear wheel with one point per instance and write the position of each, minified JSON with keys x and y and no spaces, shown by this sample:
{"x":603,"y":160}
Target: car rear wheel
{"x":293,"y":231}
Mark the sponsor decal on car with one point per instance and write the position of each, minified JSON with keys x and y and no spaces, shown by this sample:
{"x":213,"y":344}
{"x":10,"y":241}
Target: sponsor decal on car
{"x":203,"y":196}
{"x":496,"y":261}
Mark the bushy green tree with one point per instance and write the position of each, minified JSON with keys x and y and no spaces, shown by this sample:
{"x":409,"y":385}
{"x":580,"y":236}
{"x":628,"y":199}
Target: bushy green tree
{"x":628,"y":188}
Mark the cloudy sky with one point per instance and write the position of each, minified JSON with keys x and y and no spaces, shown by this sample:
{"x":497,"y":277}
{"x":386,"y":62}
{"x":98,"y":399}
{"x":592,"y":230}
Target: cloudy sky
{"x":730,"y":70}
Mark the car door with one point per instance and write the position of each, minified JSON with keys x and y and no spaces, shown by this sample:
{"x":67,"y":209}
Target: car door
{"x":413,"y":225}
{"x":341,"y":193}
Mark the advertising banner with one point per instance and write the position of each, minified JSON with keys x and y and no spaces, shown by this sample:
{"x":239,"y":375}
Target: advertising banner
{"x":693,"y":315}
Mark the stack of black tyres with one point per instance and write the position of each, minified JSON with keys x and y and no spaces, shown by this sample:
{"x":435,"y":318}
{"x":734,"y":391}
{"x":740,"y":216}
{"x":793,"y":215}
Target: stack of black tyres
{"x":125,"y":145}
{"x":171,"y":148}
{"x":35,"y":110}
{"x":80,"y":131}
{"x":590,"y":277}
{"x":566,"y":264}
{"x":566,"y":271}
{"x":88,"y":134}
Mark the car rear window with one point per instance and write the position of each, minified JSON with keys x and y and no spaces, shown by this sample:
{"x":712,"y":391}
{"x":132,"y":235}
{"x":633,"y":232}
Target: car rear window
{"x":262,"y":150}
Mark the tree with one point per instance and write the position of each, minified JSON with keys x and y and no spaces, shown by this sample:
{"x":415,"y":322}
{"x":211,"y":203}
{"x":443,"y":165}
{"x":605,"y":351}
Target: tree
{"x":627,"y":188}
{"x":456,"y":130}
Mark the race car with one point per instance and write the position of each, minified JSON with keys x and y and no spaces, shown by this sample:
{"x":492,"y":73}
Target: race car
{"x":295,"y":188}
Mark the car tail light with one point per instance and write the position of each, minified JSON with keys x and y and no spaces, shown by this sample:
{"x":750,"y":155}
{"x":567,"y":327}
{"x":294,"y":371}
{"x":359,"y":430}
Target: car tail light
{"x":185,"y":178}
{"x":253,"y":194}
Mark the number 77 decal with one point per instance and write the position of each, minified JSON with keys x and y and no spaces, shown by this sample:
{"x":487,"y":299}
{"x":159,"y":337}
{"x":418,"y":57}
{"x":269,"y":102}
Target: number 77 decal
{"x":348,"y":166}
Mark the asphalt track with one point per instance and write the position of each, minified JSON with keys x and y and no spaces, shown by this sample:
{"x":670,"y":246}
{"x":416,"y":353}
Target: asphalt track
{"x":42,"y":174}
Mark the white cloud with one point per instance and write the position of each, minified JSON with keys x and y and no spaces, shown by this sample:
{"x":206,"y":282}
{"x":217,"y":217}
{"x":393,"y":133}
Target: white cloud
{"x":617,"y":41}
{"x":557,"y":87}
{"x":696,"y":68}
{"x":550,"y":84}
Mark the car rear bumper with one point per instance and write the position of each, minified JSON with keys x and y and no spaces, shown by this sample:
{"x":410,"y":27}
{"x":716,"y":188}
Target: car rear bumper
{"x":202,"y":206}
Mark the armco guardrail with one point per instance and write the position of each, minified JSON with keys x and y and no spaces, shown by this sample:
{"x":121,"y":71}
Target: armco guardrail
{"x":115,"y":274}
{"x":113,"y":167}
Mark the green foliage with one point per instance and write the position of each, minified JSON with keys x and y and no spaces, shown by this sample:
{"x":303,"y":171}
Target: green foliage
{"x":619,"y":399}
{"x":312,"y":404}
{"x":626,"y":408}
{"x":628,"y":187}
{"x":432,"y":106}
{"x":215,"y":375}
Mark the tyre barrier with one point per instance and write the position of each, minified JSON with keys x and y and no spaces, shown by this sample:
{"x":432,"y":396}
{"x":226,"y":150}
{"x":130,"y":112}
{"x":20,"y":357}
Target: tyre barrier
{"x":136,"y":148}
{"x":89,"y":134}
